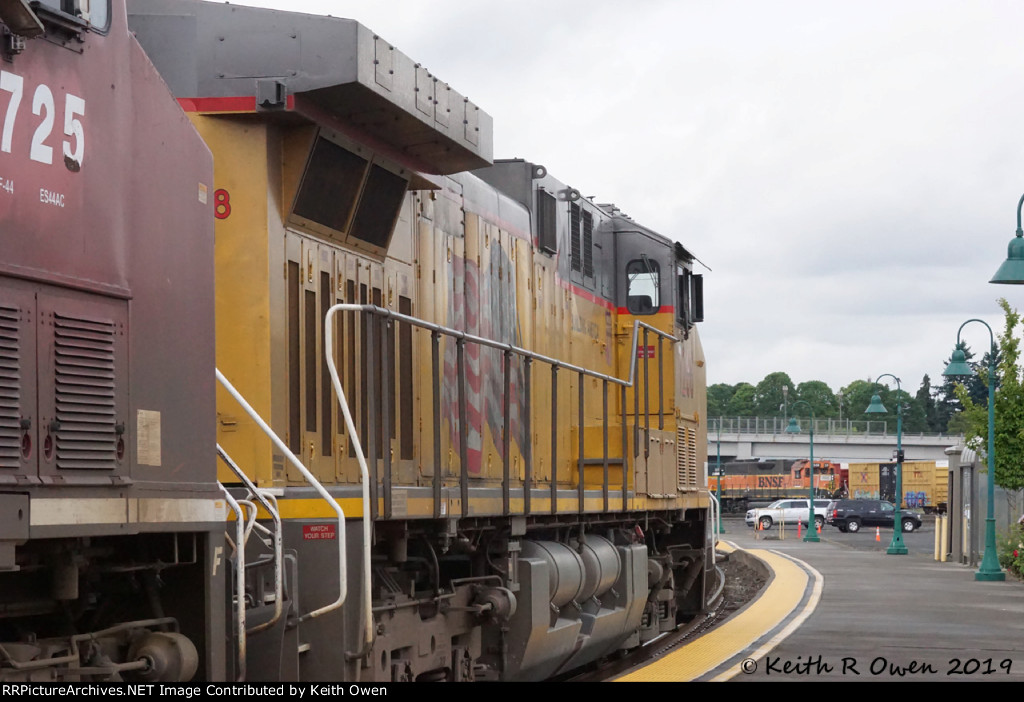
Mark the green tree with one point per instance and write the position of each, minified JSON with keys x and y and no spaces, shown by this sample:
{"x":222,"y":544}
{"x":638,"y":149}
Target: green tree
{"x":1009,"y":407}
{"x":915,"y":413}
{"x":927,"y":401}
{"x":857,"y":397}
{"x":741,"y":404}
{"x":719,"y":395}
{"x":769,"y":397}
{"x":819,"y":396}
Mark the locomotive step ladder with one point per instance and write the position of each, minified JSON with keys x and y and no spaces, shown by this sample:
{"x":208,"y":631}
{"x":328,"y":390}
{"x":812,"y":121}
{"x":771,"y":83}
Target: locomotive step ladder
{"x":245,"y":525}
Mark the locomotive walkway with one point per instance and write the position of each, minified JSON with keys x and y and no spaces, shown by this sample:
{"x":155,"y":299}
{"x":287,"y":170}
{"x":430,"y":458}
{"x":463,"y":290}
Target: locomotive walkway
{"x":844,"y":610}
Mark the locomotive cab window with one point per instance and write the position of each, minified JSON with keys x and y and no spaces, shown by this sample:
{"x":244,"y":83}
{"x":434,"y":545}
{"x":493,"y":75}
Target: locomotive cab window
{"x":642,"y":285}
{"x":93,"y":13}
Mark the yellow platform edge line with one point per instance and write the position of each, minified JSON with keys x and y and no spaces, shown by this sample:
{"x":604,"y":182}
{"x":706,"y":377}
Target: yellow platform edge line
{"x":782,"y":595}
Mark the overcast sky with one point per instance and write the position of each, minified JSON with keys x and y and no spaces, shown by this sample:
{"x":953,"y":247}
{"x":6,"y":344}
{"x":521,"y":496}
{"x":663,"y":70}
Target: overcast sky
{"x":849,"y":171}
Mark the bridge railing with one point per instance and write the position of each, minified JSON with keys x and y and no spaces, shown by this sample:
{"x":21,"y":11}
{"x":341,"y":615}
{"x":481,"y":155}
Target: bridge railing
{"x":822,"y":427}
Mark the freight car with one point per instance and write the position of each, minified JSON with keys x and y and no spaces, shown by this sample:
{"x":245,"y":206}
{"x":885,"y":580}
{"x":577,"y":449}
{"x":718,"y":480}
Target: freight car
{"x":747,"y":484}
{"x":466,"y":438}
{"x":111,"y":539}
{"x":925,"y":483}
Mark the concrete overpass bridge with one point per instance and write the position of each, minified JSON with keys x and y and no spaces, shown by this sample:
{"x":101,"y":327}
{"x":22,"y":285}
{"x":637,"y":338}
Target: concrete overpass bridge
{"x":842,"y":441}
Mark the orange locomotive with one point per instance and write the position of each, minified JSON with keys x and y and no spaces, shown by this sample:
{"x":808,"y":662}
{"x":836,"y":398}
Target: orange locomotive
{"x":746,"y":483}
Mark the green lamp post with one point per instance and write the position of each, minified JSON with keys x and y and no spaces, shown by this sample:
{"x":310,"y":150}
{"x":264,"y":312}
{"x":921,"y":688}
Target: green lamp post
{"x":1010,"y":273}
{"x":718,"y":470}
{"x":794,"y":428}
{"x":989,"y":569}
{"x":896,"y":547}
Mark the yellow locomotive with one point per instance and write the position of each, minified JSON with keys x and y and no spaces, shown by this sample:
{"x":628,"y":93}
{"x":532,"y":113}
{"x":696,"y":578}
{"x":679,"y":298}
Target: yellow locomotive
{"x":487,"y":391}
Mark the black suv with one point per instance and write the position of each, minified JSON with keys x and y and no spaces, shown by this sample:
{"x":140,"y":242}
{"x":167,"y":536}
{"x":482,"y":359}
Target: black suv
{"x":851,"y":515}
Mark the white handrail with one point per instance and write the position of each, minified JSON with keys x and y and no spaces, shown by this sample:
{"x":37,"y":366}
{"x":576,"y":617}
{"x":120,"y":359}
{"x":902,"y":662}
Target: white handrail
{"x":275,"y":515}
{"x":311,"y":479}
{"x":715,"y":522}
{"x":364,"y":472}
{"x":239,"y":580}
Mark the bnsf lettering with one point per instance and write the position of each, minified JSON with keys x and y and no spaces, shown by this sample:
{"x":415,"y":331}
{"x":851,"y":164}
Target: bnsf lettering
{"x":43,"y":106}
{"x":770,"y":481}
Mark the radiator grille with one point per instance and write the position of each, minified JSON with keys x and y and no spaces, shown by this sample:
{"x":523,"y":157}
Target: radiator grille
{"x":574,"y":237}
{"x":85,"y":393}
{"x":588,"y":244}
{"x":10,"y":388}
{"x":686,"y":457}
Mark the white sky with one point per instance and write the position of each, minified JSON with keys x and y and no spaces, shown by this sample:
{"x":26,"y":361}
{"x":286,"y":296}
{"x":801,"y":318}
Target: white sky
{"x":849,"y":171}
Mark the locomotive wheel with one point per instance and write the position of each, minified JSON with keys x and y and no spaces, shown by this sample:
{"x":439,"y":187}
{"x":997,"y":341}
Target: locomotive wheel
{"x":853,"y":526}
{"x":766,"y":523}
{"x":908,"y":526}
{"x":172,"y":657}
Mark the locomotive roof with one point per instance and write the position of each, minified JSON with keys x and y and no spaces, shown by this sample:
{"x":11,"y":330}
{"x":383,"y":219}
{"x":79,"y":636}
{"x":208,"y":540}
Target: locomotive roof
{"x":213,"y":52}
{"x":515,"y":177}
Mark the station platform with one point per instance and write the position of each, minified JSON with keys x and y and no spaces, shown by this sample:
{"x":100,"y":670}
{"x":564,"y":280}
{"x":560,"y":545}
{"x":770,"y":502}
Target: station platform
{"x":844,"y":610}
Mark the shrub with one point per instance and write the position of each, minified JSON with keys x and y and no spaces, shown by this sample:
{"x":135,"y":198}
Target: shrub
{"x":1010,"y":547}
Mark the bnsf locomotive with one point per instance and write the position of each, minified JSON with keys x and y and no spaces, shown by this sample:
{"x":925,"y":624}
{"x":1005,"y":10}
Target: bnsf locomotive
{"x":458,"y":428}
{"x":756,"y":483}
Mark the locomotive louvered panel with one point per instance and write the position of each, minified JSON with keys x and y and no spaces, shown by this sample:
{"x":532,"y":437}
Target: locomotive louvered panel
{"x":588,"y":244}
{"x":84,"y":387}
{"x":686,"y":457}
{"x":10,"y":387}
{"x":574,"y":237}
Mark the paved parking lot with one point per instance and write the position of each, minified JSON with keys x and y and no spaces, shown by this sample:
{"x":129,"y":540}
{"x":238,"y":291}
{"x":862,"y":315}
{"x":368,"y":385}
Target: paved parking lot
{"x":919,"y":542}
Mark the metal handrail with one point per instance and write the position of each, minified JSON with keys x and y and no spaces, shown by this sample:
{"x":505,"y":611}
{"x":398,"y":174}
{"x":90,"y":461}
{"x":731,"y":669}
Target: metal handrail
{"x":239,"y":581}
{"x":311,"y":479}
{"x":364,"y":471}
{"x":822,"y":426}
{"x":501,"y":345}
{"x":461,"y":338}
{"x":275,"y":515}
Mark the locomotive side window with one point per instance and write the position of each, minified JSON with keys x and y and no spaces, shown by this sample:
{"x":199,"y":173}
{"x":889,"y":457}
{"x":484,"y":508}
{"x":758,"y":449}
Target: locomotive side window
{"x":642,"y":284}
{"x":95,"y":12}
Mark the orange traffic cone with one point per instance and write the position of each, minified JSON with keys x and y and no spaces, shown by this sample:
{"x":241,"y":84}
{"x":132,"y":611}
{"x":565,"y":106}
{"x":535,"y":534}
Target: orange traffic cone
{"x":878,"y":534}
{"x":819,"y":529}
{"x":799,"y":529}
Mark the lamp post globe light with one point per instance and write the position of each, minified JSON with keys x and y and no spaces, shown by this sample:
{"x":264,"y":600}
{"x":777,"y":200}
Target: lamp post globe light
{"x":1012,"y":270}
{"x":896,"y":547}
{"x":794,"y":428}
{"x":989,"y":569}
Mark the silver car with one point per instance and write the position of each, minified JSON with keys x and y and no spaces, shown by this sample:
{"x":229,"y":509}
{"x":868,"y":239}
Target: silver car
{"x":786,"y":512}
